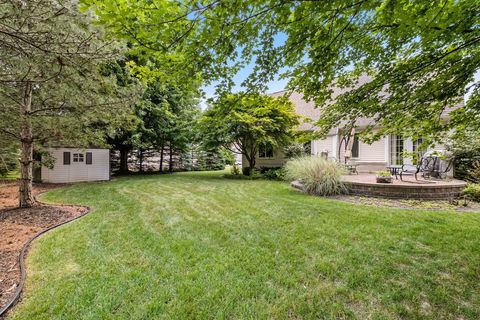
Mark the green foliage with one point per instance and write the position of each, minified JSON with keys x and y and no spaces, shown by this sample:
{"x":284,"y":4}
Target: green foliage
{"x":384,"y":173}
{"x":246,"y":121}
{"x":475,"y":172}
{"x":420,"y":55}
{"x":466,"y":150}
{"x":9,"y":155}
{"x":235,"y":170}
{"x":59,"y":62}
{"x":317,"y":175}
{"x":472,"y":191}
{"x":294,"y":150}
{"x":254,"y":174}
{"x":277,"y":174}
{"x":164,"y":115}
{"x":210,"y":158}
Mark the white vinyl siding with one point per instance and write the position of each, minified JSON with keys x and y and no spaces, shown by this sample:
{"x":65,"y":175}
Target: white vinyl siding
{"x":374,"y":152}
{"x":78,"y":171}
{"x":326,"y":144}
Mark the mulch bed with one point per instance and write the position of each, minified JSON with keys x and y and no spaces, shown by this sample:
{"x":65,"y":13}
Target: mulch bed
{"x":17,"y":226}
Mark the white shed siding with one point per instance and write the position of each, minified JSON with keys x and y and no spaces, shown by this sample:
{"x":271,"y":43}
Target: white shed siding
{"x":78,"y":171}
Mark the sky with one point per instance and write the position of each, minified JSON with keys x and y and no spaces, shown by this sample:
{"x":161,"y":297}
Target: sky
{"x":273,"y":86}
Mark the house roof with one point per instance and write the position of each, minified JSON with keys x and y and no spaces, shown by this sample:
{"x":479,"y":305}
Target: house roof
{"x":308,"y":109}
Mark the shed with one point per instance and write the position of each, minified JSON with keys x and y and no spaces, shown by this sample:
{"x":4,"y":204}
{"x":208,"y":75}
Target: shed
{"x":75,"y":165}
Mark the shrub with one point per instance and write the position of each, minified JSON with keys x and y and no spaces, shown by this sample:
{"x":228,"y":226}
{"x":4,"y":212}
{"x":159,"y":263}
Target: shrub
{"x":273,"y":173}
{"x":236,"y":170}
{"x":474,"y":173}
{"x":246,"y":171}
{"x":472,"y":191}
{"x":294,"y":150}
{"x":255,"y":174}
{"x":317,"y":175}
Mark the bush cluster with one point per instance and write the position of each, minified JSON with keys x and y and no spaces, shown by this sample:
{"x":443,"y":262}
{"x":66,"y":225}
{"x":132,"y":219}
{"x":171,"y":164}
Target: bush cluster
{"x":317,"y":175}
{"x":472,"y":191}
{"x":277,"y":174}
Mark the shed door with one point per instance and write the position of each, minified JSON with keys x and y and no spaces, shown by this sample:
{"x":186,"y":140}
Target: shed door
{"x":78,"y":170}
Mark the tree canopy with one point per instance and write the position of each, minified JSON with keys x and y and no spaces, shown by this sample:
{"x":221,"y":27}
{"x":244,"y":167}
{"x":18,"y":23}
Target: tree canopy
{"x":51,"y":89}
{"x":420,"y":55}
{"x":243,"y":122}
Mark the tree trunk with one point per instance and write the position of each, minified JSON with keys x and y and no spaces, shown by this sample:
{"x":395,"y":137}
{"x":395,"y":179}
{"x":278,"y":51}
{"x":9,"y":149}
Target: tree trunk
{"x":251,"y":163}
{"x":26,"y":198}
{"x":170,"y":162}
{"x":123,"y":160}
{"x":161,"y":158}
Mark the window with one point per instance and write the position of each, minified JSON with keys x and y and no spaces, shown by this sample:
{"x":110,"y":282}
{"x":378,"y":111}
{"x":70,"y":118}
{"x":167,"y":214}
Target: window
{"x":396,"y":149}
{"x":88,"y":158}
{"x":355,"y":148}
{"x":307,"y":147}
{"x":265,"y":151}
{"x":78,"y":157}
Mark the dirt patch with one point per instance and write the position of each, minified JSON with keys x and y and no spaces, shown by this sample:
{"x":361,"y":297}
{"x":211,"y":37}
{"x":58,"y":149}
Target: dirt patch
{"x":17,"y":226}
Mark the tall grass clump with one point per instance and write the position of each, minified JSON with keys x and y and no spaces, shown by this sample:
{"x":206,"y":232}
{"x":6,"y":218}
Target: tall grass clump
{"x":317,"y":175}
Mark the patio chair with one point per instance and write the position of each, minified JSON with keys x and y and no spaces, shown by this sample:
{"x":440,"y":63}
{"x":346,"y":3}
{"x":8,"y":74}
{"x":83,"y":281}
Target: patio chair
{"x":442,"y":173}
{"x":409,"y":169}
{"x":422,"y":167}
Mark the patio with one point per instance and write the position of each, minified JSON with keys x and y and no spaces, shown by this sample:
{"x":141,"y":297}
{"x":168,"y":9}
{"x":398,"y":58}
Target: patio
{"x":364,"y":184}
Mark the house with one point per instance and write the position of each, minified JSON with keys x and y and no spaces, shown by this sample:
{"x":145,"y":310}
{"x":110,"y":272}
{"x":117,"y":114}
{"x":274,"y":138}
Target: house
{"x":75,"y":165}
{"x":389,"y":150}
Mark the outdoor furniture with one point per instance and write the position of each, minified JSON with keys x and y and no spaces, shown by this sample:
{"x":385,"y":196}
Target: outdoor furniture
{"x":438,"y":171}
{"x":426,"y":167}
{"x":409,"y":169}
{"x":394,"y":169}
{"x":351,"y":167}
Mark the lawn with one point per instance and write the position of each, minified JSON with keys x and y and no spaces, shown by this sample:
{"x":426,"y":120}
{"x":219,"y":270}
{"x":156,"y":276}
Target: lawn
{"x":197,"y":246}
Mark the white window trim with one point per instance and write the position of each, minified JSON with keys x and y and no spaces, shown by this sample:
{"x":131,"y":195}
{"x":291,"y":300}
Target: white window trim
{"x":77,"y":157}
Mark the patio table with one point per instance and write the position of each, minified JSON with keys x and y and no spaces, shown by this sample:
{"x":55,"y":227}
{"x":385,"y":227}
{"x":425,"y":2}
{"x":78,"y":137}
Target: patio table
{"x":394,"y":169}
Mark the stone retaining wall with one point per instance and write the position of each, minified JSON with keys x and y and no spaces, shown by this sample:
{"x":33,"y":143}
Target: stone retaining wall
{"x":395,"y":191}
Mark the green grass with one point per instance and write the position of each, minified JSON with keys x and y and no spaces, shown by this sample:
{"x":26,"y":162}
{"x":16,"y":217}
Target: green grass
{"x":198,"y":246}
{"x":11,"y":175}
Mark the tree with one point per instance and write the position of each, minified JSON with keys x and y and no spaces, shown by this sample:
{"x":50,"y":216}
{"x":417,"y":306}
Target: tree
{"x":168,"y":113}
{"x":419,"y":55}
{"x":50,"y":87}
{"x":245,"y":121}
